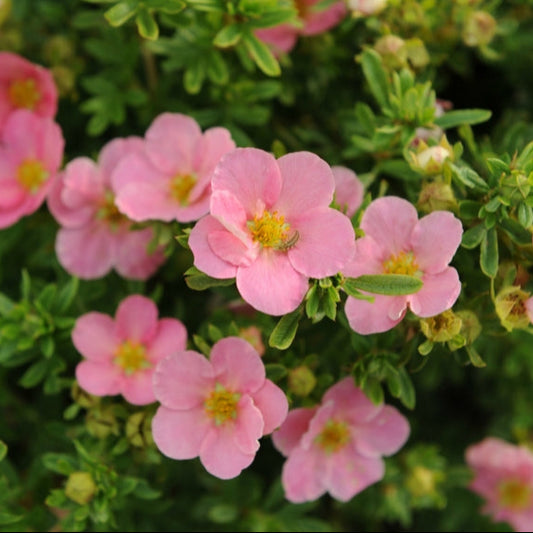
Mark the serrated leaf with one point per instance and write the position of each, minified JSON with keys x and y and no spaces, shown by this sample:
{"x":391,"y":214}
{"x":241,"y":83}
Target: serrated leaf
{"x":261,"y":54}
{"x":376,"y":77}
{"x":389,"y":284}
{"x":147,"y":25}
{"x":455,"y":118}
{"x":199,"y":281}
{"x":121,"y":12}
{"x":285,"y":331}
{"x":489,"y":257}
{"x":228,"y":36}
{"x":472,"y":237}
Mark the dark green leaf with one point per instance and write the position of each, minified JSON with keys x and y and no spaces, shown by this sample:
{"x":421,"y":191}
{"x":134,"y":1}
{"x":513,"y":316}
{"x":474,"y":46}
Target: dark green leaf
{"x":285,"y":331}
{"x":199,"y":281}
{"x":376,"y":77}
{"x":3,"y":450}
{"x":489,"y":258}
{"x":389,"y":284}
{"x":474,"y":357}
{"x":451,"y":119}
{"x":275,"y":371}
{"x":525,"y":215}
{"x":519,"y":234}
{"x":147,"y":25}
{"x":194,"y":77}
{"x":34,"y":375}
{"x":472,"y":237}
{"x":59,"y":463}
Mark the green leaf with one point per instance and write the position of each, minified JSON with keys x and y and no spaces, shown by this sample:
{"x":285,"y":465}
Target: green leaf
{"x":194,"y":77}
{"x":376,"y":77}
{"x":3,"y":450}
{"x":373,"y":389}
{"x":147,"y":25}
{"x":217,"y":69}
{"x":166,"y":6}
{"x":67,"y":293}
{"x":525,"y":215}
{"x":285,"y":331}
{"x":451,"y":119}
{"x":145,"y":492}
{"x":6,"y":305}
{"x":228,"y":36}
{"x":488,"y":259}
{"x":199,"y":281}
{"x":389,"y":284}
{"x":122,"y":12}
{"x":202,"y":345}
{"x":274,"y":18}
{"x":9,"y":518}
{"x":407,"y":395}
{"x":469,"y":209}
{"x":469,"y":177}
{"x":34,"y":375}
{"x":25,"y":285}
{"x":425,"y":348}
{"x":207,"y":5}
{"x":525,"y":155}
{"x":275,"y":371}
{"x":519,"y":234}
{"x":497,"y":166}
{"x":472,"y":237}
{"x":474,"y":357}
{"x":261,"y":54}
{"x":59,"y":463}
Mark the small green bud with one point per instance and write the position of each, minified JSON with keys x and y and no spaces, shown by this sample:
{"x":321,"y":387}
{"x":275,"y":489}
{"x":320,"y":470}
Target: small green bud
{"x":101,"y":422}
{"x":436,"y":196}
{"x":80,"y":487}
{"x":138,"y":429}
{"x":301,"y":380}
{"x":479,"y":29}
{"x":470,"y":325}
{"x":430,"y":159}
{"x":393,"y":51}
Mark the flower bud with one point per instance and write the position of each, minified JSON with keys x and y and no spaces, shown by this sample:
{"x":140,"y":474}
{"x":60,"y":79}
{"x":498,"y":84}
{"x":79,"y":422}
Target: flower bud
{"x":470,"y":325}
{"x":301,"y":380}
{"x":430,"y":159}
{"x":361,"y":8}
{"x":423,"y":481}
{"x":101,"y":422}
{"x":80,"y":487}
{"x":441,"y":328}
{"x":5,"y":10}
{"x":511,"y":308}
{"x":417,"y":53}
{"x":83,"y":398}
{"x":252,"y":334}
{"x":392,"y":50}
{"x":138,"y":429}
{"x":436,"y":196}
{"x":479,"y":29}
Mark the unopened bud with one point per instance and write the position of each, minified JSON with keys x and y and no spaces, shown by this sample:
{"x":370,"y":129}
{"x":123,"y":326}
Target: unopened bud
{"x":252,"y":334}
{"x":479,"y":29}
{"x":101,"y":422}
{"x":138,"y":429}
{"x":470,"y":325}
{"x":511,"y":308}
{"x":5,"y":10}
{"x":417,"y":53}
{"x":361,"y":8}
{"x":436,"y":196}
{"x":80,"y":487}
{"x":83,"y":398}
{"x":441,"y":328}
{"x":422,"y":481}
{"x":301,"y":381}
{"x":392,"y":50}
{"x":430,"y":159}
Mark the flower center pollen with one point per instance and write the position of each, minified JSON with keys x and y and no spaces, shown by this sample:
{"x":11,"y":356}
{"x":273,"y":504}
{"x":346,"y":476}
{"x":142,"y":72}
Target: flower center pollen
{"x":221,"y":405}
{"x":403,"y":263}
{"x":131,"y":357}
{"x":109,"y":212}
{"x":515,"y":495}
{"x":181,"y":186}
{"x":271,"y":231}
{"x":31,"y":174}
{"x":333,"y":437}
{"x":24,"y":94}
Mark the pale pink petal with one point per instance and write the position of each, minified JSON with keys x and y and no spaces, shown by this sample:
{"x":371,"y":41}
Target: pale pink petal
{"x":49,"y":145}
{"x":252,"y":176}
{"x":11,"y":194}
{"x":374,"y":317}
{"x":220,"y":455}
{"x":390,"y":220}
{"x":368,"y":258}
{"x":289,"y":435}
{"x":349,"y":190}
{"x":348,"y":473}
{"x":248,"y":428}
{"x":171,"y":140}
{"x":136,"y":319}
{"x":94,"y":336}
{"x":439,"y":293}
{"x":383,"y":435}
{"x":318,"y":21}
{"x":86,"y":252}
{"x":213,"y":144}
{"x":231,"y":249}
{"x":183,"y":380}
{"x":522,"y":522}
{"x":271,"y":284}
{"x":169,"y":338}
{"x":134,"y":168}
{"x":179,"y":434}
{"x":205,"y":259}
{"x":435,"y":240}
{"x":325,"y":245}
{"x":237,"y":365}
{"x":324,"y":414}
{"x":302,"y":477}
{"x":228,"y":210}
{"x":132,"y":259}
{"x":281,"y":38}
{"x":115,"y":150}
{"x":307,"y":183}
{"x":99,"y":377}
{"x":137,"y":389}
{"x":273,"y":404}
{"x":195,"y":210}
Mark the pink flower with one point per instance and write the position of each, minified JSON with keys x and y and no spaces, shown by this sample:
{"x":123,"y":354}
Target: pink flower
{"x":24,"y":85}
{"x":504,"y":477}
{"x":95,"y":237}
{"x":171,"y":179}
{"x":348,"y":190}
{"x":31,"y":151}
{"x":121,"y":354}
{"x":396,"y":242}
{"x":216,"y":408}
{"x":271,"y":227}
{"x":313,"y":21}
{"x":337,"y":446}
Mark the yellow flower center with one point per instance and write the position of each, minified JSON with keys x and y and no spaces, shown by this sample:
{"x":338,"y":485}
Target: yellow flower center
{"x":181,"y":186}
{"x":271,"y":231}
{"x":333,"y":437}
{"x":31,"y":174}
{"x":515,"y":495}
{"x":24,"y":94}
{"x":109,"y":212}
{"x":403,"y":263}
{"x":221,"y":405}
{"x":131,"y":357}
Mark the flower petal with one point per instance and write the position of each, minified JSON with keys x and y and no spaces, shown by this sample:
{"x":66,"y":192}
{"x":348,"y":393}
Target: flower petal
{"x":209,"y":149}
{"x":318,"y":21}
{"x":100,"y":378}
{"x":183,"y":380}
{"x":231,"y":249}
{"x":94,"y":336}
{"x":349,"y":190}
{"x":169,"y":338}
{"x":271,"y":284}
{"x":367,"y":259}
{"x":114,"y":151}
{"x":325,"y":245}
{"x":435,"y":240}
{"x":302,"y":476}
{"x":137,"y":389}
{"x":248,"y":428}
{"x":179,"y":434}
{"x":273,"y":404}
{"x":136,"y":319}
{"x":288,"y":436}
{"x":374,"y":317}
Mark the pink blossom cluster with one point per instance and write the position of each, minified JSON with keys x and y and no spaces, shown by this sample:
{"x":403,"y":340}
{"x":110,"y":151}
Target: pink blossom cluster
{"x":31,"y":143}
{"x":337,"y":447}
{"x":503,"y":476}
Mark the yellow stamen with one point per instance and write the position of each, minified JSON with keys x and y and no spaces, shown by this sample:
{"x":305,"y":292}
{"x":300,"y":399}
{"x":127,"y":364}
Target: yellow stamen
{"x":271,"y":231}
{"x":333,"y":437}
{"x":515,"y":495}
{"x":131,"y":357}
{"x":221,"y":405}
{"x":181,"y":186}
{"x":24,"y":94}
{"x":31,"y":174}
{"x":109,"y":212}
{"x":403,"y":263}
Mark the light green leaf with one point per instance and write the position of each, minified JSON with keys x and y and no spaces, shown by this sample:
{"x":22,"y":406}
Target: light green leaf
{"x":451,"y":119}
{"x":376,"y":77}
{"x":228,"y":36}
{"x":389,"y":284}
{"x":285,"y":331}
{"x":147,"y":25}
{"x":122,"y":12}
{"x":489,"y":257}
{"x":472,"y":237}
{"x":261,"y":54}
